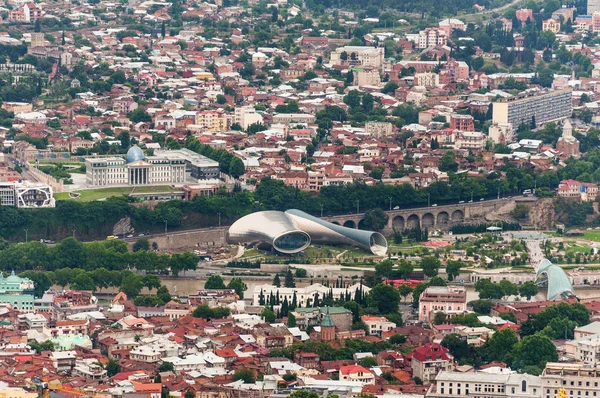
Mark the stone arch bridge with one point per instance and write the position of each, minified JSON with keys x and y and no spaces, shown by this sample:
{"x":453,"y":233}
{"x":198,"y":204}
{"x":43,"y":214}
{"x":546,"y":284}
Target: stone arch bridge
{"x":439,"y":217}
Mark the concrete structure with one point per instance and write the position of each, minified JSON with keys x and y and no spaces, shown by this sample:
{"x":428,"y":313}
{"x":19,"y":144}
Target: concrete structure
{"x":378,"y":129}
{"x":26,"y":194}
{"x":164,"y":167}
{"x":449,"y":300}
{"x":501,"y":384}
{"x":426,"y":79}
{"x":366,"y":77}
{"x":246,"y":115}
{"x":432,"y":37}
{"x":544,"y":106}
{"x":501,"y":133}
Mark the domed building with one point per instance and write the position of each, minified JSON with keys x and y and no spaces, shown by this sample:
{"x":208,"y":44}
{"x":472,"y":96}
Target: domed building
{"x":164,"y":167}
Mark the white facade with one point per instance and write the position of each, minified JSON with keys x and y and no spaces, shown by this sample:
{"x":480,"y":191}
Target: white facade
{"x":359,"y":56}
{"x":432,"y":37}
{"x":303,"y":294}
{"x":501,"y":384}
{"x":578,"y":379}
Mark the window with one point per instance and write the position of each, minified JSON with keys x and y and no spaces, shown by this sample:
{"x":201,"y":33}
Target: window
{"x":523,"y":386}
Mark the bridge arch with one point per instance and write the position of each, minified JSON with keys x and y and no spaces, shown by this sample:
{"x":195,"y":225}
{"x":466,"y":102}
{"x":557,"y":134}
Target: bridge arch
{"x":361,"y":225}
{"x":443,"y":218}
{"x":557,"y":279}
{"x":413,"y":221}
{"x":428,"y":220}
{"x":349,"y":224}
{"x":458,"y":216}
{"x":335,"y":222}
{"x":398,"y":223}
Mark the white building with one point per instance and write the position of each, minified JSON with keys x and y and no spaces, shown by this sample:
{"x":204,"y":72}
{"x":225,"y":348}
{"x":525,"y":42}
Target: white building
{"x":247,"y":115}
{"x":358,"y":56}
{"x":432,"y":37}
{"x":501,"y":133}
{"x":578,"y":379}
{"x":502,"y":384}
{"x":164,"y":167}
{"x":304,"y":294}
{"x":377,"y":324}
{"x":474,"y":140}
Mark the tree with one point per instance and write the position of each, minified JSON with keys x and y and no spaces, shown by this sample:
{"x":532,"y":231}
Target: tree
{"x":214,"y":282}
{"x":236,"y":167}
{"x":291,"y":320}
{"x":404,"y":270}
{"x":125,"y":139}
{"x":276,"y":281}
{"x":352,"y":99}
{"x":37,"y":26}
{"x":457,"y":346}
{"x":139,"y":115}
{"x":166,"y":367}
{"x":508,"y":288}
{"x":453,"y":269}
{"x":430,"y":266}
{"x":43,"y":346}
{"x":439,"y":318}
{"x":488,"y":290}
{"x":131,"y":285}
{"x":500,"y":345}
{"x":268,"y":315}
{"x":112,"y":367}
{"x":289,"y":279}
{"x":385,"y":298}
{"x":448,"y":162}
{"x":390,"y":87}
{"x":141,"y":244}
{"x":300,"y":273}
{"x":221,"y":99}
{"x":535,"y":350}
{"x":397,"y":339}
{"x":375,"y":219}
{"x":163,"y":29}
{"x":404,"y":291}
{"x":482,"y":307}
{"x":189,"y":394}
{"x":384,"y":268}
{"x":83,"y":282}
{"x":304,"y":393}
{"x":528,"y":289}
{"x":368,"y":362}
{"x":238,"y":285}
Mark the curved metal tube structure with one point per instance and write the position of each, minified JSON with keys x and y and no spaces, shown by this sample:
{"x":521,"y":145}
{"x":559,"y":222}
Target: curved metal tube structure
{"x":294,"y":230}
{"x":559,"y":284}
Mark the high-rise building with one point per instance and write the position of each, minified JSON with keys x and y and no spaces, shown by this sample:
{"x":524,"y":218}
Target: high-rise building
{"x":593,"y":6}
{"x":541,"y":107}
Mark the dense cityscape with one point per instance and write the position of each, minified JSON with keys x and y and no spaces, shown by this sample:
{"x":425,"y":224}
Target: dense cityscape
{"x":253,"y":199}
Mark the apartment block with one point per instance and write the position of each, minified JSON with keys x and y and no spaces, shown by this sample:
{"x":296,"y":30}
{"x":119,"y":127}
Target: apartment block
{"x":378,"y":129}
{"x":449,"y":300}
{"x":544,"y":106}
{"x":578,"y":379}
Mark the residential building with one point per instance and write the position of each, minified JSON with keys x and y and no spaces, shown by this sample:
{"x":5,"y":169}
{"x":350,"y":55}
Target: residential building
{"x":358,"y":56}
{"x":366,"y":77}
{"x":15,"y":392}
{"x":587,"y":350}
{"x":29,"y":12}
{"x":273,"y":337}
{"x":429,"y":360}
{"x":377,"y":325}
{"x":473,"y":140}
{"x":584,"y":191}
{"x":426,"y":79}
{"x":543,"y":106}
{"x":356,"y":373}
{"x":593,"y":6}
{"x":379,"y":129}
{"x":446,"y":299}
{"x":287,"y":118}
{"x":525,"y":14}
{"x":462,"y":122}
{"x":503,"y":383}
{"x":247,"y":115}
{"x":450,"y":24}
{"x":501,"y":133}
{"x":432,"y":37}
{"x":578,"y":379}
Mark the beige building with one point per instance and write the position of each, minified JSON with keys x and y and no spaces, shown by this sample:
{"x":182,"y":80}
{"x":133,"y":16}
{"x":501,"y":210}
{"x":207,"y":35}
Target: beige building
{"x":427,"y":79}
{"x":15,"y":392}
{"x":578,"y":379}
{"x":474,"y":140}
{"x":17,"y":107}
{"x":503,"y":384}
{"x":245,"y":116}
{"x":366,"y":77}
{"x":449,"y":300}
{"x":356,"y":373}
{"x":358,"y":56}
{"x":551,"y":25}
{"x":378,"y":129}
{"x":377,"y":324}
{"x":501,"y":133}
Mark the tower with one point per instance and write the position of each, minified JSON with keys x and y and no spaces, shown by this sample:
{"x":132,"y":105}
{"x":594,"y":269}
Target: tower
{"x":567,"y":144}
{"x":327,"y":327}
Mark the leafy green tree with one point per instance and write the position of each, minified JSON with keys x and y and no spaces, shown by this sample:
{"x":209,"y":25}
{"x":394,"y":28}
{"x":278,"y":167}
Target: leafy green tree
{"x":404,"y":291}
{"x":236,"y":167}
{"x":375,"y":219}
{"x":448,"y":162}
{"x":276,"y":281}
{"x":488,"y":290}
{"x":238,"y":285}
{"x":385,"y":298}
{"x":528,"y":289}
{"x":508,"y":288}
{"x":141,"y":244}
{"x":268,"y":315}
{"x":214,"y":282}
{"x":83,"y":282}
{"x":457,"y":346}
{"x":43,"y":346}
{"x":453,"y":269}
{"x":300,"y":273}
{"x":430,"y":266}
{"x":131,"y":285}
{"x":291,"y":320}
{"x":482,"y":307}
{"x":368,"y":362}
{"x":499,"y":347}
{"x":352,"y":99}
{"x":397,"y":339}
{"x":139,"y":115}
{"x":535,"y":350}
{"x":384,"y":269}
{"x":303,"y":394}
{"x":112,"y":367}
{"x":166,"y":367}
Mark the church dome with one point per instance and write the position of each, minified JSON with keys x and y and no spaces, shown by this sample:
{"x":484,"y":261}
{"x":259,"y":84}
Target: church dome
{"x":134,"y":154}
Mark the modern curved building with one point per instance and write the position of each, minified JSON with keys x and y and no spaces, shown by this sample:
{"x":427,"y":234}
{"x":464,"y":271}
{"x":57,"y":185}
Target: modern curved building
{"x":293,"y":231}
{"x":559,"y":285}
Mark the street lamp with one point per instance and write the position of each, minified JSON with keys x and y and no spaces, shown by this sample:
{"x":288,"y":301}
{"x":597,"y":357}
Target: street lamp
{"x":428,"y":199}
{"x":357,"y":206}
{"x":26,"y":233}
{"x":165,"y":227}
{"x":219,"y":219}
{"x":73,"y":232}
{"x":390,"y":203}
{"x":321,"y":210}
{"x":471,"y":196}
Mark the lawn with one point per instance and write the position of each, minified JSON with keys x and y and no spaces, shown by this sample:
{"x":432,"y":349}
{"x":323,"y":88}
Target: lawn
{"x":89,"y":195}
{"x":156,"y":188}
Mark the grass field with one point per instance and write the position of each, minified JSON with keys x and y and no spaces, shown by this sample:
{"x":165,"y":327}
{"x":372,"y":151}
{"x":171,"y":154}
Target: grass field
{"x":89,"y":195}
{"x":155,"y":188}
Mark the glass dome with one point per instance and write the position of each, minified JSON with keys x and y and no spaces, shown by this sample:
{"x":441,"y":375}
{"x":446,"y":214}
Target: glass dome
{"x":134,"y":154}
